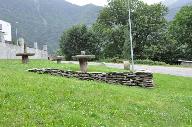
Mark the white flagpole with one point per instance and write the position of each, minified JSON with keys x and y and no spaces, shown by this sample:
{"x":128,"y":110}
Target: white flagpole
{"x":130,"y":35}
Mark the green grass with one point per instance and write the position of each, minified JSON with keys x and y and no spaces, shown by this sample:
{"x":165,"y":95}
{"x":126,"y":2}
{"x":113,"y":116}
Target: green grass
{"x":29,"y":99}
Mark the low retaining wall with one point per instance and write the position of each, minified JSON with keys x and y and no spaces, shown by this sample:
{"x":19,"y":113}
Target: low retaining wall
{"x":142,"y":79}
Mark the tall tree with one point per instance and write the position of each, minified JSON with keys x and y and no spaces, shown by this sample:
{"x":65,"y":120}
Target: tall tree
{"x":181,"y":30}
{"x":147,"y":21}
{"x":79,"y":38}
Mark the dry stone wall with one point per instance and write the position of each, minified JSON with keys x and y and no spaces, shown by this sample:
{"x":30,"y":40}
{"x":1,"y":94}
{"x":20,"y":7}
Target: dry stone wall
{"x":142,"y":79}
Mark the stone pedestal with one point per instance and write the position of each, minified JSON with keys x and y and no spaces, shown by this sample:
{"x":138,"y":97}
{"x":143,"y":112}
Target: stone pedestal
{"x":58,"y":59}
{"x":25,"y":57}
{"x":83,"y":65}
{"x":83,"y":60}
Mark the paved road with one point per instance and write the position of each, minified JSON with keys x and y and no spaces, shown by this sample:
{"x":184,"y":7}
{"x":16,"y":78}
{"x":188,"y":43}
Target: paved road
{"x":177,"y":71}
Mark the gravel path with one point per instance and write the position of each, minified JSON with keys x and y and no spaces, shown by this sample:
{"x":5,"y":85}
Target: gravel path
{"x":177,"y":71}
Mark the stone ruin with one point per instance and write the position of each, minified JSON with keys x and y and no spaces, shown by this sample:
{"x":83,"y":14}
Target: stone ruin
{"x":141,"y":79}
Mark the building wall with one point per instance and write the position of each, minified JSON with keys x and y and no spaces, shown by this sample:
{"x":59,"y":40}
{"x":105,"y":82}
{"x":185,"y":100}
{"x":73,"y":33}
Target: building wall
{"x":186,"y":63}
{"x":9,"y":51}
{"x":6,"y":28}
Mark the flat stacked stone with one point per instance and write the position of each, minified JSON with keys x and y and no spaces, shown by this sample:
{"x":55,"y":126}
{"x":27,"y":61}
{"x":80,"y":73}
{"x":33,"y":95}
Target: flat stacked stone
{"x":144,"y":79}
{"x":141,"y":78}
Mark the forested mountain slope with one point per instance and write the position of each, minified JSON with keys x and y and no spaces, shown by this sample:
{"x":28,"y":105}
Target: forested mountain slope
{"x":45,"y":20}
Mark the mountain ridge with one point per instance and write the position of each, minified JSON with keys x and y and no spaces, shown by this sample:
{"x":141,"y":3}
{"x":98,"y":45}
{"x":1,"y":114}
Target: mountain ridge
{"x":175,"y":6}
{"x":44,"y":21}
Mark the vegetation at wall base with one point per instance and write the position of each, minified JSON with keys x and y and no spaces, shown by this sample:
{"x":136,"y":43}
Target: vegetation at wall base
{"x":28,"y":99}
{"x":149,"y":62}
{"x":144,"y":62}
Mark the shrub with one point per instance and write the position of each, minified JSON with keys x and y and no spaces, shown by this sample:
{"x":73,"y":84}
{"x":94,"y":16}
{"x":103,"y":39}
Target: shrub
{"x":149,"y":62}
{"x":112,"y":60}
{"x":145,"y":62}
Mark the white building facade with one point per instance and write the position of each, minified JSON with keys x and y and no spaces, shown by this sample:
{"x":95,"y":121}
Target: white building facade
{"x":9,"y":51}
{"x":6,"y":30}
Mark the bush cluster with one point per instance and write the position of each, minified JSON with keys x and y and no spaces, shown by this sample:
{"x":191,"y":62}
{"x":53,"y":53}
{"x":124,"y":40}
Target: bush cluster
{"x":144,"y":62}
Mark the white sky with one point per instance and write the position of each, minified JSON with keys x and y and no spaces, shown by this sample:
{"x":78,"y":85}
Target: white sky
{"x":103,"y":2}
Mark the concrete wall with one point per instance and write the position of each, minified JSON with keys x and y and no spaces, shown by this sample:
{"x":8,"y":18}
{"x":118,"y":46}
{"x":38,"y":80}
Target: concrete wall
{"x":8,"y":51}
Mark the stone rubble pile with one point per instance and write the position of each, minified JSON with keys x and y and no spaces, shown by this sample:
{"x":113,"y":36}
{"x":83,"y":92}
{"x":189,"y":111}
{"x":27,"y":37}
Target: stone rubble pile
{"x":142,"y":78}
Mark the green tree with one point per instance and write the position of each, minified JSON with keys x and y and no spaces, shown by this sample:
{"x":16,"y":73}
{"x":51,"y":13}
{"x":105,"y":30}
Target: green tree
{"x":147,"y":22}
{"x":79,"y":38}
{"x":181,"y":30}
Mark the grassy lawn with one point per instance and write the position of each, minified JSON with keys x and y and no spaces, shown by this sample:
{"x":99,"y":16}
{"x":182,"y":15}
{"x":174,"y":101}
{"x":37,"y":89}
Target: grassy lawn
{"x":29,"y":99}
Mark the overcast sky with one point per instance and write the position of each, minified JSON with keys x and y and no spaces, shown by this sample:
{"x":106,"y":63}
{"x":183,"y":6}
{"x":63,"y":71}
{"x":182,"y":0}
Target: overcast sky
{"x":103,"y":2}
